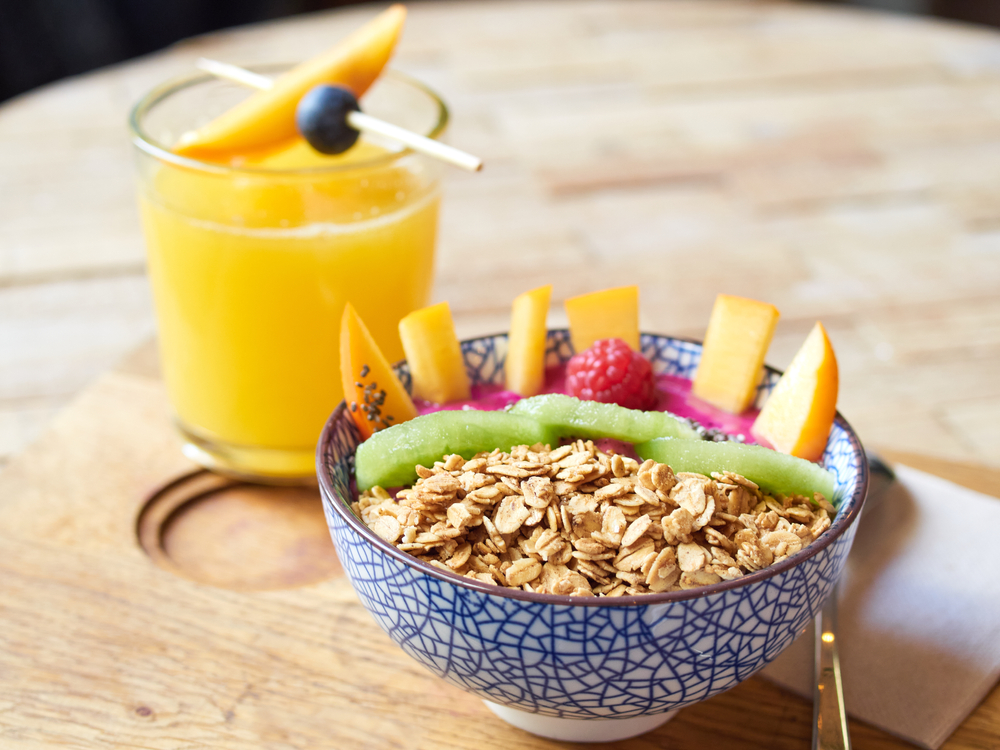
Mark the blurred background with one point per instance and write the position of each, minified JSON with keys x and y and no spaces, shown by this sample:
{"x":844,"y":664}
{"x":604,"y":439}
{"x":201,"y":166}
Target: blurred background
{"x":44,"y":40}
{"x":841,"y":161}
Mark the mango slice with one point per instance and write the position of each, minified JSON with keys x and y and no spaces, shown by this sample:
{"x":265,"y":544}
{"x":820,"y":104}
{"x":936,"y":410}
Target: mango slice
{"x":608,"y":314}
{"x":434,"y":355}
{"x":739,"y":333}
{"x":772,"y":471}
{"x":375,"y":397}
{"x":525,"y":363}
{"x":266,"y":120}
{"x":799,"y":413}
{"x":389,"y":457}
{"x":573,"y":417}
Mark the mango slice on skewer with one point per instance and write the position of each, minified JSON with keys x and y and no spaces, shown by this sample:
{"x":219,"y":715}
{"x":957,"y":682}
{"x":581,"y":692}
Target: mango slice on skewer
{"x":266,"y":120}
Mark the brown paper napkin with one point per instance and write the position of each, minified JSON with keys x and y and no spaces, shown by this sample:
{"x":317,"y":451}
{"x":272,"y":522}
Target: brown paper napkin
{"x":919,"y":611}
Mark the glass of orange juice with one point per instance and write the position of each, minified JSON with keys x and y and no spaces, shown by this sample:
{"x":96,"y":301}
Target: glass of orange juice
{"x":252,"y":262}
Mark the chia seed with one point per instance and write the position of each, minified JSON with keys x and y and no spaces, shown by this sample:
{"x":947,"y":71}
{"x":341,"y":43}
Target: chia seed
{"x":712,"y":434}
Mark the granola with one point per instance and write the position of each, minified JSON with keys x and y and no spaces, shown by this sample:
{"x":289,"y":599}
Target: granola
{"x":581,"y":522}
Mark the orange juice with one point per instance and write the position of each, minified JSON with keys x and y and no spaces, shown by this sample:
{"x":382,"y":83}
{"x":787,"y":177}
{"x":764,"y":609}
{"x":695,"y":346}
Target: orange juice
{"x":251,"y":267}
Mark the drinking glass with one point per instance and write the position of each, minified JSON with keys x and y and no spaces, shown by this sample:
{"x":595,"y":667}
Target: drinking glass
{"x":251,"y":264}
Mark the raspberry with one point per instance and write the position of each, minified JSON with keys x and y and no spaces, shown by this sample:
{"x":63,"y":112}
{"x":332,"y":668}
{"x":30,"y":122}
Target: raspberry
{"x":610,"y":372}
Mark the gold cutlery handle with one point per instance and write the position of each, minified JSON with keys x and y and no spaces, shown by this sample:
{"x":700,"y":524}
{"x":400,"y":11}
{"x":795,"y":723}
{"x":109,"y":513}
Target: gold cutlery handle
{"x":830,"y":730}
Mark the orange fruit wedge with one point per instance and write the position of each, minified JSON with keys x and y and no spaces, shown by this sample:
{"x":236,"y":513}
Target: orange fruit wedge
{"x":266,"y":120}
{"x":739,"y":333}
{"x":798,"y":415}
{"x":375,"y":397}
{"x":434,"y":355}
{"x":525,"y":364}
{"x":608,"y":314}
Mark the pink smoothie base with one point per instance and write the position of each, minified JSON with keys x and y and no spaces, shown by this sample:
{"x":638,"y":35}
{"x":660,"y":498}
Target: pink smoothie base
{"x":674,"y":397}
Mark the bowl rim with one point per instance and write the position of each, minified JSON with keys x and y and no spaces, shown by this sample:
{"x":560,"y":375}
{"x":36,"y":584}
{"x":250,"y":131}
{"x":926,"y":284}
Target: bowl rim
{"x":837,"y":528}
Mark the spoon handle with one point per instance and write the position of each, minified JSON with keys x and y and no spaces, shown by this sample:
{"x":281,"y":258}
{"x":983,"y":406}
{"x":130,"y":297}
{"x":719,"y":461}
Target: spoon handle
{"x":830,"y":730}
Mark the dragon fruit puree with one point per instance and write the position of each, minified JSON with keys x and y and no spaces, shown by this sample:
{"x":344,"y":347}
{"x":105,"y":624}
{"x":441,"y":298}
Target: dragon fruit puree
{"x":674,"y":396}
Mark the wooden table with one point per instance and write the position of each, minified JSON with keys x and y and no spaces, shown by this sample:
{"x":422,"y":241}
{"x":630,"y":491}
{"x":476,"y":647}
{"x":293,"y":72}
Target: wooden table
{"x":843,"y":165}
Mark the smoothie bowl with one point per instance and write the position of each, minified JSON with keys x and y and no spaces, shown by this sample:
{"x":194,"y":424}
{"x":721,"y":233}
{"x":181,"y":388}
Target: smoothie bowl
{"x":587,"y":668}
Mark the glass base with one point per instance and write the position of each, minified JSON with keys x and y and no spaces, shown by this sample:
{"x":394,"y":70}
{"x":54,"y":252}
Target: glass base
{"x":579,"y":730}
{"x":249,"y":463}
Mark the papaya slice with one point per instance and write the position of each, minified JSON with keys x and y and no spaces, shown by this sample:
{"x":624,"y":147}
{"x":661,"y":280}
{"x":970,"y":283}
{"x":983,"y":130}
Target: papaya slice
{"x":375,"y":397}
{"x":266,"y":120}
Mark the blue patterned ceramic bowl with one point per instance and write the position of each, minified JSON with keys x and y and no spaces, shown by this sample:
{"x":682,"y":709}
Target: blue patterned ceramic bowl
{"x":546,"y":662}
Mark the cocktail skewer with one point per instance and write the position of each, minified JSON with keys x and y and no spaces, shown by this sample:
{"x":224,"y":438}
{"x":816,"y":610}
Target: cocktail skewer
{"x":355,"y":119}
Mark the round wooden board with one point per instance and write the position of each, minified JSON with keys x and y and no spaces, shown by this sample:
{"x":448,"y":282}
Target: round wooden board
{"x":236,"y":535}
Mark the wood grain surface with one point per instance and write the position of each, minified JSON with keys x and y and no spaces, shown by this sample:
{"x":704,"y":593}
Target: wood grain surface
{"x":105,"y":645}
{"x":841,"y":164}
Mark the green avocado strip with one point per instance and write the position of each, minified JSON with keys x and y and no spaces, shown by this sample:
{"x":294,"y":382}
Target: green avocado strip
{"x":770,"y":470}
{"x":573,"y":417}
{"x":389,"y":457}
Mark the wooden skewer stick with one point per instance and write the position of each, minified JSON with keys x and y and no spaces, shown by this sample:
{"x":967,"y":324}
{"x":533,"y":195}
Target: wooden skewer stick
{"x":234,"y":73}
{"x":357,"y":120}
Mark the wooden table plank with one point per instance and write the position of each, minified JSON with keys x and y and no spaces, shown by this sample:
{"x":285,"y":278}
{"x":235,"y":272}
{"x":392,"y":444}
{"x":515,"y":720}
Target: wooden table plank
{"x":841,"y":164}
{"x":100,"y":647}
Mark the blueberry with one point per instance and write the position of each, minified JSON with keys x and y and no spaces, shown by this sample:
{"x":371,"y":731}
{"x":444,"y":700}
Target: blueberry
{"x":321,"y":117}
